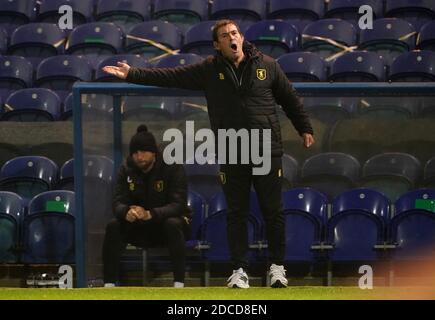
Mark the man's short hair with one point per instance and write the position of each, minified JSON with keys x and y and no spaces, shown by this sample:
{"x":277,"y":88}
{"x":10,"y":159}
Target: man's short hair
{"x":222,"y":23}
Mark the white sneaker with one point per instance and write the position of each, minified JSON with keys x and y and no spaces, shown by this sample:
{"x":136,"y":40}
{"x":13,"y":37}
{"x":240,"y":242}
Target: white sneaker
{"x":178,"y":284}
{"x":277,"y":276}
{"x":239,"y":279}
{"x":109,"y":285}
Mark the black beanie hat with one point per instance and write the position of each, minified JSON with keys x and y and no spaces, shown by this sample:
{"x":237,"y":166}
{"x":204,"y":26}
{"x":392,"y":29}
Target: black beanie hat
{"x":143,"y":141}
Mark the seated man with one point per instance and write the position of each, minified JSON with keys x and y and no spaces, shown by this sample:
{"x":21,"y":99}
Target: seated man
{"x":150,"y":205}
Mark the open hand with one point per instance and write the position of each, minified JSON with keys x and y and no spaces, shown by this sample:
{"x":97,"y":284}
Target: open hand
{"x":121,"y":71}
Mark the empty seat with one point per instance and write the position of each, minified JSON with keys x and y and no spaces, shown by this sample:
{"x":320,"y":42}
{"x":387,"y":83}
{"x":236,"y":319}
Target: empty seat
{"x":357,"y":225}
{"x":203,"y":179}
{"x":15,"y":73}
{"x":429,"y":174}
{"x":14,"y":13}
{"x":358,"y":66}
{"x":48,"y":228}
{"x":290,"y":172}
{"x":348,"y":9}
{"x":33,"y":104}
{"x":131,"y":59}
{"x":413,"y":226}
{"x":179,"y":60}
{"x":147,"y":39}
{"x":82,"y":11}
{"x":414,"y":66}
{"x":316,"y":36}
{"x":159,"y":110}
{"x":95,"y":40}
{"x":95,"y":107}
{"x":390,"y":37}
{"x":298,"y":13}
{"x":415,"y":12}
{"x":183,"y":14}
{"x":329,"y":110}
{"x":124,"y":13}
{"x":28,"y":176}
{"x":199,"y":40}
{"x":11,"y":215}
{"x":426,"y":38}
{"x":330,"y":173}
{"x":3,"y":40}
{"x":305,"y":211}
{"x":273,"y":38}
{"x":303,"y":67}
{"x":37,"y":41}
{"x":241,"y":10}
{"x":198,"y":205}
{"x":61,"y":72}
{"x":388,"y":108}
{"x":391,"y":173}
{"x":66,"y":176}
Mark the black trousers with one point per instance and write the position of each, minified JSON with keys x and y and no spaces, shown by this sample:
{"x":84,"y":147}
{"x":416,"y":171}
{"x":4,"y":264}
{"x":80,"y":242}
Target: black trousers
{"x":236,"y":184}
{"x":171,"y":232}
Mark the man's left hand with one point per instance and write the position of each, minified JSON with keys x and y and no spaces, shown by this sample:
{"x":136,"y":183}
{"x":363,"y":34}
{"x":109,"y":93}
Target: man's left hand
{"x":143,"y":214}
{"x":308,"y":140}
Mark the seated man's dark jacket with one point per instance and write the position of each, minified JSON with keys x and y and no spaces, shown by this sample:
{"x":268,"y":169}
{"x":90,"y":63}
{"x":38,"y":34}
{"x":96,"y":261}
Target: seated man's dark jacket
{"x":163,"y":190}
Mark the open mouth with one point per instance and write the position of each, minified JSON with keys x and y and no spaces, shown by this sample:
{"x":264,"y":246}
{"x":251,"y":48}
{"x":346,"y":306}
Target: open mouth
{"x":234,"y":47}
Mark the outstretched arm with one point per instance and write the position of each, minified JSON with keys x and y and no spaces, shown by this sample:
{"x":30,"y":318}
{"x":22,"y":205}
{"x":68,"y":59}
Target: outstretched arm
{"x":192,"y":77}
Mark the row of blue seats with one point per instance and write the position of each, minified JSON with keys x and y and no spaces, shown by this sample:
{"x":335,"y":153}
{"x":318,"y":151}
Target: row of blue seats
{"x":357,"y":225}
{"x":37,"y":41}
{"x":331,"y":173}
{"x":17,"y":12}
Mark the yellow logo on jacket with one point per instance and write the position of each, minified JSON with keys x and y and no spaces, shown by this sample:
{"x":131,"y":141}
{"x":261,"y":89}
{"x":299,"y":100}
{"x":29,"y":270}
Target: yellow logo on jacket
{"x":221,"y":76}
{"x":222,"y":177}
{"x":158,"y":185}
{"x":261,"y":74}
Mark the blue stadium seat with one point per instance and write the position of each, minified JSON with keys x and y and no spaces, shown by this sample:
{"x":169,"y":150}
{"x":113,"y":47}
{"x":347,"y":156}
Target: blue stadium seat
{"x":95,"y":40}
{"x":241,"y":10}
{"x":33,"y":104}
{"x":306,"y":214}
{"x":82,"y":11}
{"x":131,"y":59}
{"x":199,"y":40}
{"x":348,"y":9}
{"x":413,"y":226}
{"x":415,"y":12}
{"x":303,"y":67}
{"x":61,"y":72}
{"x":95,"y":107}
{"x":214,"y":231}
{"x":329,"y":110}
{"x":11,"y":215}
{"x":389,"y":38}
{"x":124,"y":13}
{"x":15,"y":13}
{"x":357,"y":225}
{"x":48,"y":228}
{"x":183,"y":14}
{"x":15,"y":73}
{"x":337,"y":30}
{"x":161,"y":32}
{"x":203,"y":179}
{"x":273,"y":38}
{"x":198,"y":205}
{"x":415,"y":66}
{"x":391,"y":173}
{"x":358,"y":66}
{"x":3,"y":40}
{"x":426,"y":38}
{"x":37,"y":41}
{"x":290,"y":172}
{"x":155,"y":109}
{"x":330,"y":173}
{"x":179,"y":60}
{"x":298,"y":13}
{"x":429,"y":174}
{"x":28,"y":176}
{"x":66,"y":176}
{"x":388,"y":107}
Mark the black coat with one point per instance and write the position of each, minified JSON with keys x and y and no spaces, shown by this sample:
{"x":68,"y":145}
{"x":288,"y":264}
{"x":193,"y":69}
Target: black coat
{"x":250,"y":103}
{"x":163,"y":190}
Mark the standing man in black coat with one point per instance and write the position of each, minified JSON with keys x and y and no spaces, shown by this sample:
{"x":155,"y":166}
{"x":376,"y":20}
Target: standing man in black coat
{"x":150,"y":206}
{"x":242,"y":87}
